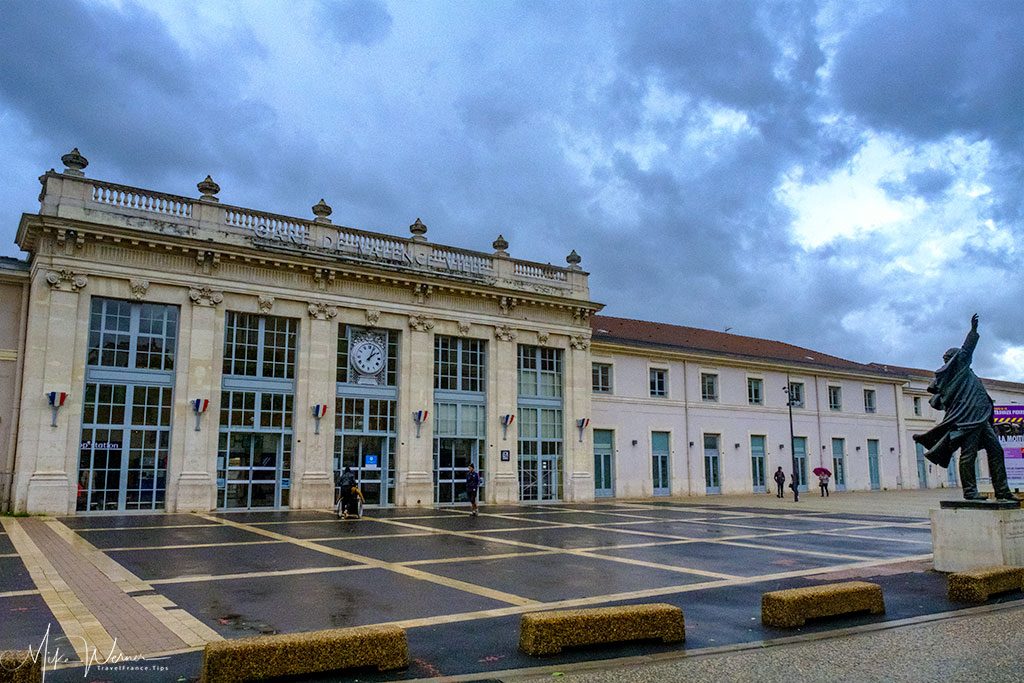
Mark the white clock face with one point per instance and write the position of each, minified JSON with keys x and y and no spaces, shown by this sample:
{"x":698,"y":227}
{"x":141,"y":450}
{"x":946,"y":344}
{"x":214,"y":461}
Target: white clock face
{"x":368,"y":357}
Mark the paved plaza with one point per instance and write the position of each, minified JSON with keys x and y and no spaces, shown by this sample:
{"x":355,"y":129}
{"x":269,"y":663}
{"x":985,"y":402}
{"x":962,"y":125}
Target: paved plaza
{"x":157,"y":587}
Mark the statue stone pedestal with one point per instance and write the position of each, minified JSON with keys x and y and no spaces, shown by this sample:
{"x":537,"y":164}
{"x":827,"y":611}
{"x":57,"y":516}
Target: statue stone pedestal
{"x":970,"y":534}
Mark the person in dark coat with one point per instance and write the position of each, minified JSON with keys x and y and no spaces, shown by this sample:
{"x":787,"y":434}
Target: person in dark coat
{"x":472,"y":487}
{"x":967,"y":424}
{"x":780,"y":481}
{"x":347,"y":482}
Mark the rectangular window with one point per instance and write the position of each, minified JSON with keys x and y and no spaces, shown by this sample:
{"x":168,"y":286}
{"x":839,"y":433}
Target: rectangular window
{"x":459,"y":364}
{"x":540,"y":372}
{"x":602,"y":377}
{"x":869,"y":400}
{"x":917,"y":406}
{"x":835,"y":398}
{"x":708,"y":386}
{"x":139,"y":336}
{"x":659,"y":382}
{"x":260,"y":345}
{"x":796,"y":394}
{"x":755,"y":391}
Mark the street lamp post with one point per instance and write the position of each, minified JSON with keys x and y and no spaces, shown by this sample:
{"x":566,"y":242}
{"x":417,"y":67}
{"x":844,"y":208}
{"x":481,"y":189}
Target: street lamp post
{"x":792,"y":441}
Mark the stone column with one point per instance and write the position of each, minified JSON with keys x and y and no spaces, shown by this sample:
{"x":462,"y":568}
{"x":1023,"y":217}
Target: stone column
{"x":311,"y":463}
{"x":55,"y":337}
{"x":579,"y":455}
{"x":415,"y":485}
{"x":502,"y":397}
{"x":199,"y":377}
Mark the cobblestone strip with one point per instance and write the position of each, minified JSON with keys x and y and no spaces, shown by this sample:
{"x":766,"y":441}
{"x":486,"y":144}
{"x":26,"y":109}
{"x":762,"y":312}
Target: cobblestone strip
{"x":135,"y":630}
{"x":84,"y":632}
{"x":190,"y":630}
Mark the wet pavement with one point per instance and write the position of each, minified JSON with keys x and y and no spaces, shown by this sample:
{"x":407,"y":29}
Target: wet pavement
{"x":459,"y":584}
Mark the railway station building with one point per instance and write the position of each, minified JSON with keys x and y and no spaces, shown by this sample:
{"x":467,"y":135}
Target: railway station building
{"x":164,"y":352}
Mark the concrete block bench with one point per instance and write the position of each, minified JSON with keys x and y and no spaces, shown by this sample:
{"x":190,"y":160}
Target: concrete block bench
{"x":298,"y":654}
{"x":546,"y":633}
{"x":793,"y":607}
{"x":976,"y":585}
{"x":18,"y":666}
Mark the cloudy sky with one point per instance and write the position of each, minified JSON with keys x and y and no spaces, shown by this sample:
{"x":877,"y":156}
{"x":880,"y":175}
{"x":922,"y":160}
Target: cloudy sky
{"x":845,"y":176}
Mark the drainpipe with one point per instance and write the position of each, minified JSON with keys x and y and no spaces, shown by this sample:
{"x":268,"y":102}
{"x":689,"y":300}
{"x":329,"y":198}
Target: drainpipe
{"x":686,"y":429}
{"x":900,"y":433}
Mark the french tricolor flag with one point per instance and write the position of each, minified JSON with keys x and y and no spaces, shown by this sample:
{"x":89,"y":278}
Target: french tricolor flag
{"x":583,"y":422}
{"x":507,"y":420}
{"x":319,"y":410}
{"x":57,"y":398}
{"x":199,"y":405}
{"x":420,"y":416}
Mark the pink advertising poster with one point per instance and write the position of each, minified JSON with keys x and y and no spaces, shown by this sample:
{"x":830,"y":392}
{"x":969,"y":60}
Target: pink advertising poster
{"x":1009,"y":422}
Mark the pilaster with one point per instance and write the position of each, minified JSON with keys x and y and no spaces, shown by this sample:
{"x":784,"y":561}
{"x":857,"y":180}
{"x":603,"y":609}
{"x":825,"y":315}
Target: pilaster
{"x":315,"y":383}
{"x":415,"y":485}
{"x":579,"y":444}
{"x":502,"y":395}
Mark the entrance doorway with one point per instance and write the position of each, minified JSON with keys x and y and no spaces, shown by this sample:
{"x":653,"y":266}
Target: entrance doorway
{"x":255,"y":469}
{"x":712,"y":454}
{"x":757,"y":466}
{"x":839,"y":463}
{"x":604,"y":447}
{"x":922,"y":468}
{"x":659,"y":463}
{"x":873,"y":471}
{"x":370,"y":460}
{"x":800,"y":455}
{"x":451,"y":463}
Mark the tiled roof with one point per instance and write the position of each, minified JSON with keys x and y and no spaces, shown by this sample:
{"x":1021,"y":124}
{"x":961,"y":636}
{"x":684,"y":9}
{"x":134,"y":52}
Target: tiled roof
{"x":999,"y":384}
{"x":678,"y":337}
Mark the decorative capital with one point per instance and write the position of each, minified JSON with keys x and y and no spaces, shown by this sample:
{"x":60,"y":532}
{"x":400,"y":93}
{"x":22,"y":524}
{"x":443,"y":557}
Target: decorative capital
{"x":323,"y":277}
{"x":422,"y":292}
{"x":463,"y":327}
{"x":500,"y":246}
{"x":542,"y":337}
{"x":421,"y":323}
{"x":507,"y":304}
{"x":208,"y":189}
{"x":581,"y":316}
{"x":372,"y":317}
{"x":322,"y":311}
{"x":419,"y":231}
{"x":74,"y":162}
{"x":66,"y":281}
{"x":322,"y":210}
{"x":573,"y":259}
{"x":139,"y":288}
{"x":204,"y":296}
{"x":264,"y":302}
{"x":505,"y":333}
{"x":579,"y":342}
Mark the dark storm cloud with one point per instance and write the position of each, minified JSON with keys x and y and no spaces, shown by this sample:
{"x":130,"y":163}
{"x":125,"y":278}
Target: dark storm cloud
{"x":929,"y":69}
{"x":362,"y":22}
{"x":114,"y":81}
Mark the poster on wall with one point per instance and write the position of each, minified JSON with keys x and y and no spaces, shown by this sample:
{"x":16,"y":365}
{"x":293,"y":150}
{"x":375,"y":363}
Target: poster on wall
{"x":1009,"y":423}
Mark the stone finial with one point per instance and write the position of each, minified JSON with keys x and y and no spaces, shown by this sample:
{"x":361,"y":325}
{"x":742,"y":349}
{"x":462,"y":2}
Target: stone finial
{"x":573,"y":259}
{"x":419,"y":231}
{"x":209,"y":190}
{"x":500,"y":246}
{"x":322,"y":210}
{"x":74,"y":162}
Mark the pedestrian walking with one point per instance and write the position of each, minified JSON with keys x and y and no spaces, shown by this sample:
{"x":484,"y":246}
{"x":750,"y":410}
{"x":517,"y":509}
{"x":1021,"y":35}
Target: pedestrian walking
{"x":796,"y":487}
{"x":346,"y":482}
{"x":472,"y":487}
{"x":823,"y":484}
{"x":780,"y":481}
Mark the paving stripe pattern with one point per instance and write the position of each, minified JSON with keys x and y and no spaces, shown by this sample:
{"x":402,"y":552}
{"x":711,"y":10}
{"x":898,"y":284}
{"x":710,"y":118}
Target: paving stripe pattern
{"x":92,"y":603}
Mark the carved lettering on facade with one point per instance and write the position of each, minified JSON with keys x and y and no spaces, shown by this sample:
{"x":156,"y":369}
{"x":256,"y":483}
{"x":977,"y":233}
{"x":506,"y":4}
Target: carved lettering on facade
{"x":322,"y":311}
{"x":138,"y":288}
{"x":265,"y":303}
{"x":505,"y":333}
{"x":205,"y":296}
{"x":421,"y":323}
{"x":66,"y":281}
{"x":372,"y":317}
{"x":579,"y":342}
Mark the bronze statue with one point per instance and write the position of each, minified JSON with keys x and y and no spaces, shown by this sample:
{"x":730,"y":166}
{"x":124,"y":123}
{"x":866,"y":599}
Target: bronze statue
{"x":968,"y":421}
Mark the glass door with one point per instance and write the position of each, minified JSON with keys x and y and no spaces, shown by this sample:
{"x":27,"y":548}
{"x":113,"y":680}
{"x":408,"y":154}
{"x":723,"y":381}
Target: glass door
{"x":451,"y":463}
{"x":253,"y":471}
{"x":922,"y":468}
{"x":839,"y":463}
{"x":712,"y":475}
{"x":800,"y":455}
{"x":873,"y":472}
{"x":757,"y":465}
{"x":604,"y":440}
{"x":368,"y":458}
{"x":659,"y":463}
